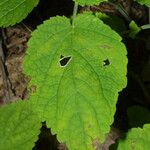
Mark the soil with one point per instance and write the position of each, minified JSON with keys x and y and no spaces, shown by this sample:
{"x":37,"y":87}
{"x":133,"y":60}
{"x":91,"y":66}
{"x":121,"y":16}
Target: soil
{"x":13,"y":83}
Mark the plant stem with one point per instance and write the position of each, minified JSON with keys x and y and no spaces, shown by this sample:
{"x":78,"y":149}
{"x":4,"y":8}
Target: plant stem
{"x":121,"y":10}
{"x":75,"y":10}
{"x":5,"y":80}
{"x":146,"y":26}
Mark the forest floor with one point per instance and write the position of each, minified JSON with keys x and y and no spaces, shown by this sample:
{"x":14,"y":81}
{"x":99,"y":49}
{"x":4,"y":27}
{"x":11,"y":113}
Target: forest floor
{"x":13,"y":83}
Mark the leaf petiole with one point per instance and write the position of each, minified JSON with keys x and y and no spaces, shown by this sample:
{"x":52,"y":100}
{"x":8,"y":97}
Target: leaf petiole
{"x":75,"y":10}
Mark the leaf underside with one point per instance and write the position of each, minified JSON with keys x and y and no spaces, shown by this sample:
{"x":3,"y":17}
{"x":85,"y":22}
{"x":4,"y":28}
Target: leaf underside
{"x":136,"y":139}
{"x":77,"y":99}
{"x":14,"y":11}
{"x":19,"y":126}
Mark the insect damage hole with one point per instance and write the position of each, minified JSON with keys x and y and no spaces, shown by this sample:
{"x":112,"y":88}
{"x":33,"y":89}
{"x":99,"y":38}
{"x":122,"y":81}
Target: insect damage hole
{"x":106,"y":62}
{"x":64,"y":60}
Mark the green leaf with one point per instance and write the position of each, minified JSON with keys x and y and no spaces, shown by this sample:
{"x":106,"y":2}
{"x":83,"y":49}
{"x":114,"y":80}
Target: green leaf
{"x":14,"y":11}
{"x":134,"y":29}
{"x":19,"y":127}
{"x":136,"y":139}
{"x":138,"y":116}
{"x":89,"y":2}
{"x":144,"y":2}
{"x":77,"y":99}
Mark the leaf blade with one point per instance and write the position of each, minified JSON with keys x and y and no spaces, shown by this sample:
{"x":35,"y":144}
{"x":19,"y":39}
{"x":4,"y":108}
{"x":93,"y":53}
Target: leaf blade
{"x":13,"y":11}
{"x":137,"y":138}
{"x":19,"y":126}
{"x":144,"y":2}
{"x":64,"y":96}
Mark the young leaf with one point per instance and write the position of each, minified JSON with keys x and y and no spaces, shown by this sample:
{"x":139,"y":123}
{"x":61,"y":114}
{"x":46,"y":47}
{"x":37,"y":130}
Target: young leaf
{"x":89,"y":2}
{"x":78,"y":71}
{"x":13,"y":11}
{"x":19,"y":127}
{"x":136,"y":139}
{"x":134,"y":29}
{"x":144,"y":2}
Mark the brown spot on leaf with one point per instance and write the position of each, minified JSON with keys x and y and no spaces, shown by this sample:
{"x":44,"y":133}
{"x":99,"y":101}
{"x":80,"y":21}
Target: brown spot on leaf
{"x":105,"y":46}
{"x":89,"y":126}
{"x":96,"y":144}
{"x":33,"y":89}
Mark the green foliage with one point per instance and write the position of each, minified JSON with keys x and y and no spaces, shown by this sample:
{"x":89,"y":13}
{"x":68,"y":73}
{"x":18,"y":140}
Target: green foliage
{"x":88,"y":2}
{"x":144,"y":2}
{"x":78,"y":71}
{"x":134,"y":29}
{"x":137,"y":117}
{"x":19,"y":126}
{"x":77,"y":100}
{"x":136,"y":139}
{"x":13,"y":11}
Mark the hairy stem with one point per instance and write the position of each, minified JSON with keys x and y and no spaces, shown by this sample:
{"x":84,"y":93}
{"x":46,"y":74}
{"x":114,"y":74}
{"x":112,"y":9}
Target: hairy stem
{"x":75,"y":10}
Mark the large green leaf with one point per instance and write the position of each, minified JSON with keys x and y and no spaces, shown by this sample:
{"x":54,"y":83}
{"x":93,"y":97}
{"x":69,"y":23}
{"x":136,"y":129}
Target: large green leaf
{"x":136,"y":139}
{"x":19,"y":127}
{"x":144,"y":2}
{"x":88,"y":2}
{"x":77,"y":100}
{"x":13,"y":11}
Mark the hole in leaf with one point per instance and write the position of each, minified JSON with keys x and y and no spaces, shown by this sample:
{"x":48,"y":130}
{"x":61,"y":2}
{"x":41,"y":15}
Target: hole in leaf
{"x":64,"y":60}
{"x":106,"y":62}
{"x":61,"y":56}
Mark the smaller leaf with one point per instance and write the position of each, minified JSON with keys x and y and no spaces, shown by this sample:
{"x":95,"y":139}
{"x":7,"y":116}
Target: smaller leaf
{"x":138,"y":116}
{"x":136,"y":139}
{"x":134,"y":29}
{"x":14,"y":11}
{"x":144,"y":2}
{"x":89,"y":2}
{"x":19,"y":127}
